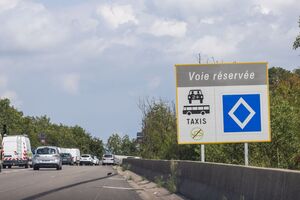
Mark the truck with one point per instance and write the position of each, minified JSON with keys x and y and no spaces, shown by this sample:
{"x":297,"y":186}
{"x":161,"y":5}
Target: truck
{"x":16,"y":151}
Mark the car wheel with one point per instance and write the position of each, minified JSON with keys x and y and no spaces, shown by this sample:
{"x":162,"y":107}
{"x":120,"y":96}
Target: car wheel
{"x":57,"y":168}
{"x":26,"y":166}
{"x":35,"y":168}
{"x":9,"y":166}
{"x":4,"y":166}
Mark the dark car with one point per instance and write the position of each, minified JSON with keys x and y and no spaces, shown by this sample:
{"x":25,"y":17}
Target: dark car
{"x":195,"y":95}
{"x":67,"y":159}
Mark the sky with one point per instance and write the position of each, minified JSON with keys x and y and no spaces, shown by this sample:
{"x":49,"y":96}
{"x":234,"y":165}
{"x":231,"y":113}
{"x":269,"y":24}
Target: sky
{"x":90,"y":62}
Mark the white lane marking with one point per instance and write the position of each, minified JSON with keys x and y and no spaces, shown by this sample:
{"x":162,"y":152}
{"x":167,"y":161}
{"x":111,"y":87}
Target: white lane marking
{"x":120,"y":188}
{"x":13,"y":171}
{"x":118,"y":179}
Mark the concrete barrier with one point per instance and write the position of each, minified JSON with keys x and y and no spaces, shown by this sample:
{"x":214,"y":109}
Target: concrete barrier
{"x":211,"y":181}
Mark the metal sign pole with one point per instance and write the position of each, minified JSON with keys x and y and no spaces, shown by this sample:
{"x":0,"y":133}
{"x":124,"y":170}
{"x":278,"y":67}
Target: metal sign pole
{"x":246,"y":154}
{"x":202,"y":153}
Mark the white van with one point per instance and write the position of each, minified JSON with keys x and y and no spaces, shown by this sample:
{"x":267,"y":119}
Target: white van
{"x":0,"y":152}
{"x":75,"y":155}
{"x":62,"y":150}
{"x":16,"y":151}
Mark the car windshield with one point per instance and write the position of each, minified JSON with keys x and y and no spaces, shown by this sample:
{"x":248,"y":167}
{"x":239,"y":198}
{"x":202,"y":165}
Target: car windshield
{"x":107,"y":156}
{"x":46,"y":151}
{"x":65,"y":155}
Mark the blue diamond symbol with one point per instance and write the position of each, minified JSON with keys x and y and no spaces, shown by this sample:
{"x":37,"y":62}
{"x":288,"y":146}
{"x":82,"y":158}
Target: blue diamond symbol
{"x":241,"y":113}
{"x":251,"y":113}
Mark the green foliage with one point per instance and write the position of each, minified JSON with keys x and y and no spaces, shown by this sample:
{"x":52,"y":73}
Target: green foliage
{"x":126,"y":167}
{"x":159,"y":181}
{"x":171,"y":183}
{"x":121,"y":146}
{"x":57,"y":135}
{"x":297,"y":41}
{"x":159,"y":130}
{"x":128,"y":147}
{"x":114,"y":144}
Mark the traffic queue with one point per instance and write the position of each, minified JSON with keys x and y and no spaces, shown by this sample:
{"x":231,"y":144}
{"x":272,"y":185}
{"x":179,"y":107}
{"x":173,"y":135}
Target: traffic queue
{"x":16,"y":151}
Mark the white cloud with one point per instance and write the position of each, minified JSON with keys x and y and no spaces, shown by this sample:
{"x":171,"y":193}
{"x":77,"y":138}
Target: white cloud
{"x":9,"y":95}
{"x":31,"y":27}
{"x":6,"y":93}
{"x":210,"y":20}
{"x":275,"y":5}
{"x":190,"y":6}
{"x":261,"y":10}
{"x":70,"y":83}
{"x":86,"y":24}
{"x":117,"y":15}
{"x":12,"y":96}
{"x":8,"y":4}
{"x":214,"y":46}
{"x":171,"y":28}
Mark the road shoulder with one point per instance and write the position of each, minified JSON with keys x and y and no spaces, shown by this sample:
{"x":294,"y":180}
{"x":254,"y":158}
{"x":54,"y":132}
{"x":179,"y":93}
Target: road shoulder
{"x":146,"y":189}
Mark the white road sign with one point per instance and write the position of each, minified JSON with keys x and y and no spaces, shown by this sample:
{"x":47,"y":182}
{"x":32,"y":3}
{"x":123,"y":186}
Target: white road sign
{"x":222,"y":103}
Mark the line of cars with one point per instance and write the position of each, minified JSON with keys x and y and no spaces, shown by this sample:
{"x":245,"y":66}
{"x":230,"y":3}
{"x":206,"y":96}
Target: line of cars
{"x":16,"y":151}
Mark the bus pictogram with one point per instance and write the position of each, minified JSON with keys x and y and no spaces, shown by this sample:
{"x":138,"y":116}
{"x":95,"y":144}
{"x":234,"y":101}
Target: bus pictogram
{"x":197,"y":109}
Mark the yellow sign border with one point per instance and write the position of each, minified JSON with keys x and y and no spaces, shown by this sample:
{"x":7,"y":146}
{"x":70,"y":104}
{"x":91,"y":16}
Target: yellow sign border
{"x":226,"y":63}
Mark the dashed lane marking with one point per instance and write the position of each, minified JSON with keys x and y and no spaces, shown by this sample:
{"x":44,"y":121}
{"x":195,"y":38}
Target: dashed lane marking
{"x":118,"y":179}
{"x":13,"y":171}
{"x":120,"y":188}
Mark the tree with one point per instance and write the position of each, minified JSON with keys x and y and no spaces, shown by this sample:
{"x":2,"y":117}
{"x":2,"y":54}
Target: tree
{"x":128,"y":147}
{"x":297,"y":41}
{"x":13,"y":122}
{"x":159,"y":130}
{"x":114,"y":144}
{"x":96,"y":147}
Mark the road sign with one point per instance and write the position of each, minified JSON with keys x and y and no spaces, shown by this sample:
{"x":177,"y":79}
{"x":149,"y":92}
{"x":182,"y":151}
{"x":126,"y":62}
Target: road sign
{"x":222,"y":103}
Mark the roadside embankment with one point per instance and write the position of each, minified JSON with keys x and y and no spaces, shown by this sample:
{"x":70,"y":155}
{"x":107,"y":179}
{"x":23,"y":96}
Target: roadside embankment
{"x":196,"y":180}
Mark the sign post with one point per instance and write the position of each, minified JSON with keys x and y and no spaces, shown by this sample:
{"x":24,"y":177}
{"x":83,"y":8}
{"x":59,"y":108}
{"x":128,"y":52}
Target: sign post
{"x":202,"y":153}
{"x":222,"y":103}
{"x":246,"y":154}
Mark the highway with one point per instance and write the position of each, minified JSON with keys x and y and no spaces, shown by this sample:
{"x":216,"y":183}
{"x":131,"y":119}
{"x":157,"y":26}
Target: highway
{"x":72,"y":182}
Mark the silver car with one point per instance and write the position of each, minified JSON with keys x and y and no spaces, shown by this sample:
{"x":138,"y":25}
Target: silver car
{"x":47,"y":157}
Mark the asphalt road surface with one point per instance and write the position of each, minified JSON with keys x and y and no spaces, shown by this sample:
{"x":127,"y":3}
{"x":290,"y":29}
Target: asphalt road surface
{"x":72,"y":182}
